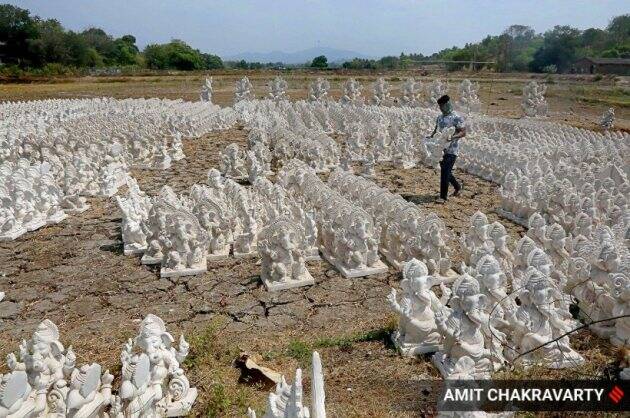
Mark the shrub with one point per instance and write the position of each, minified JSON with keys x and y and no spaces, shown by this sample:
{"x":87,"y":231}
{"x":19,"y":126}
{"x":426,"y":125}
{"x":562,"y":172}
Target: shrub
{"x":12,"y":71}
{"x":55,"y":69}
{"x":320,"y":62}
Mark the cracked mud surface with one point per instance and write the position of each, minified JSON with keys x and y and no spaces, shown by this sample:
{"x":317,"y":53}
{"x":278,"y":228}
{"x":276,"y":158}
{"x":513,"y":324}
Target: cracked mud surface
{"x":75,"y":274}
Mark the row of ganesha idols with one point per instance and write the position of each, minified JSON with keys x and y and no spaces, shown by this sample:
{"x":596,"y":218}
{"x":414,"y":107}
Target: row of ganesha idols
{"x":244,"y":91}
{"x":238,"y":165}
{"x":29,"y":198}
{"x":302,"y":215}
{"x":295,"y":139}
{"x":319,"y":89}
{"x":54,"y":166}
{"x":506,"y":307}
{"x":36,"y":195}
{"x":182,"y":232}
{"x":476,"y":328}
{"x":403,"y":229}
{"x":346,"y":232}
{"x":572,"y":202}
{"x":44,"y":379}
{"x":303,"y":130}
{"x":379,"y":142}
{"x":148,"y":131}
{"x":496,"y":146}
{"x":591,"y":271}
{"x":212,"y":222}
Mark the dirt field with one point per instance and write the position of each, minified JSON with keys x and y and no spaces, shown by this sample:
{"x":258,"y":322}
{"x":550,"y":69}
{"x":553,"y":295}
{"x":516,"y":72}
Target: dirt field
{"x":578,"y":100}
{"x":75,"y":274}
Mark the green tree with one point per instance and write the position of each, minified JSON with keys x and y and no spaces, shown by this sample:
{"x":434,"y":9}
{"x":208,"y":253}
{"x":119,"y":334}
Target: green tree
{"x":18,"y":30}
{"x":175,"y":55}
{"x":559,"y":48}
{"x":619,"y":28}
{"x":212,"y":62}
{"x":242,"y":65}
{"x":360,"y":64}
{"x":517,"y":40}
{"x":389,"y":62}
{"x":55,"y":45}
{"x":125,"y":51}
{"x":102,"y":43}
{"x":595,"y":39}
{"x":320,"y":62}
{"x":50,"y":46}
{"x":155,"y":56}
{"x":81,"y":55}
{"x":611,"y":53}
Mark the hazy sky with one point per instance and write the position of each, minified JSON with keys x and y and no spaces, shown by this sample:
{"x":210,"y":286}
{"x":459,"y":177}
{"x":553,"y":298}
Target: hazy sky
{"x":372,"y":27}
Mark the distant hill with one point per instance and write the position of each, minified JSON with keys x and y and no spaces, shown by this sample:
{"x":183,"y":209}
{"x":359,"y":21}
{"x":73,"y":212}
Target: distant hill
{"x":299,"y":57}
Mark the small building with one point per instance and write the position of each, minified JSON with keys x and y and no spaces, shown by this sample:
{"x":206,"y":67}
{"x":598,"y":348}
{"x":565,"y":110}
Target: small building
{"x":619,"y":66}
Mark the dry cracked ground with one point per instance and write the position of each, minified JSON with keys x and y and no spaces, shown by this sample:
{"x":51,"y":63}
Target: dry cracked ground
{"x":75,"y":274}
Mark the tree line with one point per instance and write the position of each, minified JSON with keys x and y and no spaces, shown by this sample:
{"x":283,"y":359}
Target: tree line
{"x":30,"y":43}
{"x":520,"y":48}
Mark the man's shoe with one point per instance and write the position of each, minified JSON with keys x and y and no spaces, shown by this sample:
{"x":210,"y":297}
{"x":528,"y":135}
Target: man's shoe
{"x":458,"y":191}
{"x":441,"y":201}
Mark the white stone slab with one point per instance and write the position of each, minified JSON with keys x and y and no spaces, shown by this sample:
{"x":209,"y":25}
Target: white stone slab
{"x":312,"y":254}
{"x":510,"y":216}
{"x":379,"y":268}
{"x":56,"y":218}
{"x":147,"y":260}
{"x":242,"y":179}
{"x":75,"y":211}
{"x":13,"y":234}
{"x":305,"y":280}
{"x":413,"y":350}
{"x":223,"y":255}
{"x":164,"y":272}
{"x":35,"y":224}
{"x":131,"y":250}
{"x":393,"y":262}
{"x":108,"y":193}
{"x":252,"y":254}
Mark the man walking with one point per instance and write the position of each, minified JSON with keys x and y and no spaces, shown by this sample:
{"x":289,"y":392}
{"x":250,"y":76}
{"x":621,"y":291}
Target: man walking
{"x":446,"y":120}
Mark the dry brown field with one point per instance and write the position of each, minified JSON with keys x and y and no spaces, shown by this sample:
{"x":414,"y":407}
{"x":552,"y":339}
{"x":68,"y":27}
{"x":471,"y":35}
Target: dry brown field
{"x":75,"y":274}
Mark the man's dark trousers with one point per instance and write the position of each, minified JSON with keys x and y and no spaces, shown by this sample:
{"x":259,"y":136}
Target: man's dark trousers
{"x":446,"y":175}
